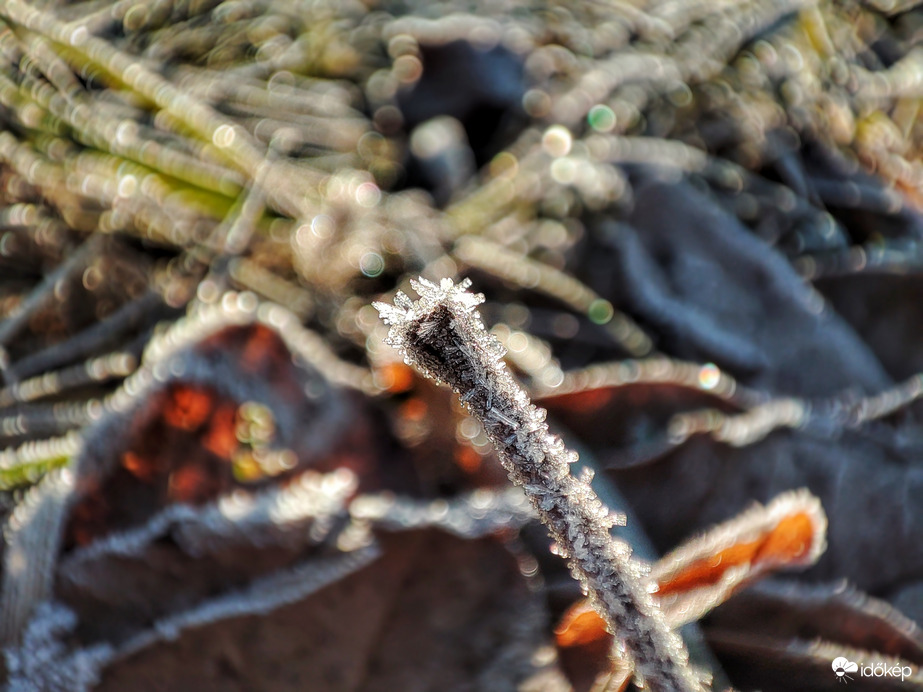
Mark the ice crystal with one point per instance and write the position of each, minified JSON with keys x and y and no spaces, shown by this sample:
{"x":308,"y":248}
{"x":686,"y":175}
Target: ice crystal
{"x":442,"y":335}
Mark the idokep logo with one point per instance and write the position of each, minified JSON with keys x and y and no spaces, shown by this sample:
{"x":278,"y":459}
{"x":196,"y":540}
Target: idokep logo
{"x":842,"y":667}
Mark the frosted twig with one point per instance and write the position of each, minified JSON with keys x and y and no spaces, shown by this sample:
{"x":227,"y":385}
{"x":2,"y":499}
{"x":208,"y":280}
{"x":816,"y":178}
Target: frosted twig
{"x":442,"y":335}
{"x":27,"y":463}
{"x":826,"y":416}
{"x":506,"y":264}
{"x":880,"y":258}
{"x":707,"y":377}
{"x":532,"y":356}
{"x":17,"y":321}
{"x":476,"y":514}
{"x":201,"y":119}
{"x":251,"y":276}
{"x":136,"y":314}
{"x":32,"y":541}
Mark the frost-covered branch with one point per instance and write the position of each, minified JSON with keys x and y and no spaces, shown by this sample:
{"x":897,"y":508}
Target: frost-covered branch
{"x":442,"y":335}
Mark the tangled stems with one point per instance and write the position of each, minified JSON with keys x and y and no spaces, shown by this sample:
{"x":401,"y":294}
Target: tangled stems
{"x":442,"y":335}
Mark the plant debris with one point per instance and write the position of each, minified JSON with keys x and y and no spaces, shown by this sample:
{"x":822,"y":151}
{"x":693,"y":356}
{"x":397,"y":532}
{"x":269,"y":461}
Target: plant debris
{"x":698,"y":228}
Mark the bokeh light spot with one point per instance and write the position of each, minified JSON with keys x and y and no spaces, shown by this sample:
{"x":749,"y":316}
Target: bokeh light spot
{"x":223,"y":137}
{"x":557,"y":141}
{"x":371,"y":264}
{"x":600,"y":311}
{"x":368,"y":195}
{"x":601,"y":118}
{"x":709,"y":376}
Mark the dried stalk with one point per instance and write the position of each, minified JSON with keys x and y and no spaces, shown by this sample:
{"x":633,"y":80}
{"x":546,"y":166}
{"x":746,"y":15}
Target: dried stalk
{"x":442,"y":335}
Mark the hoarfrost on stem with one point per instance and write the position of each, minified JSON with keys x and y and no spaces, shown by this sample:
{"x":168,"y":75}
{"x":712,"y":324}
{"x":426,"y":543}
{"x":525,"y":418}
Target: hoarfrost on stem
{"x":442,"y":335}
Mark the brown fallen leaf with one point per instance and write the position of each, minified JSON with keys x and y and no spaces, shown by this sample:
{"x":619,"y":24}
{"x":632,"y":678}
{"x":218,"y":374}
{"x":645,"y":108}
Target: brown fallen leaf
{"x":782,"y":609}
{"x":806,"y":665}
{"x":425,"y":611}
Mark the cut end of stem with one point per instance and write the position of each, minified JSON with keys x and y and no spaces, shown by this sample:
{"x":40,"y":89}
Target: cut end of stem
{"x":432,"y":331}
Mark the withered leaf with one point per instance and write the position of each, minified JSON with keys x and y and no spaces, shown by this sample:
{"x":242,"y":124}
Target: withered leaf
{"x":434,"y":612}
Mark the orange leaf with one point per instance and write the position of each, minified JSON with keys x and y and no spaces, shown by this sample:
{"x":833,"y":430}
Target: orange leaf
{"x":188,"y":407}
{"x":789,"y":532}
{"x":580,"y":626}
{"x":783,"y":544}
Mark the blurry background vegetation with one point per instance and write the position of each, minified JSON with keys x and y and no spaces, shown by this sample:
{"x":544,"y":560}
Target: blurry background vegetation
{"x":698,"y":225}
